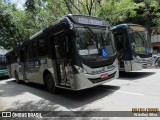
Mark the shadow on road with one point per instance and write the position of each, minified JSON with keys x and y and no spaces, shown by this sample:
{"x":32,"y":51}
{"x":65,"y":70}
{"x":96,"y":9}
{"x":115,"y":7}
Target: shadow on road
{"x":66,"y":98}
{"x":4,"y":78}
{"x":134,"y":75}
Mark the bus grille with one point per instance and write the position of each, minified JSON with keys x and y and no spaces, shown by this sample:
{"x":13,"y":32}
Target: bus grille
{"x":101,"y":79}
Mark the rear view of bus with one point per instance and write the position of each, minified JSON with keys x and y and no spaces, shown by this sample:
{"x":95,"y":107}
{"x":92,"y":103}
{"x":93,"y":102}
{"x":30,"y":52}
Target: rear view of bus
{"x":133,"y":46}
{"x":76,"y":52}
{"x":3,"y":66}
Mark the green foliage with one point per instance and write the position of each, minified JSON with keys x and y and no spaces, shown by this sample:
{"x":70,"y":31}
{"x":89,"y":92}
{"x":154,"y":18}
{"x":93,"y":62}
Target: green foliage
{"x":117,"y":11}
{"x":148,"y":14}
{"x":9,"y":34}
{"x":17,"y":25}
{"x":144,"y":12}
{"x":30,"y":4}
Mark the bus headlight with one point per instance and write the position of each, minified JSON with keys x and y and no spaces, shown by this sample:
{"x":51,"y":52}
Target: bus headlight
{"x":137,"y":58}
{"x":79,"y":69}
{"x":116,"y":61}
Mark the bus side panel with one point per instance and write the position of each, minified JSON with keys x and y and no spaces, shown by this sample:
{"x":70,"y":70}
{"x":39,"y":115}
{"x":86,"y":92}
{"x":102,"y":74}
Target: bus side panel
{"x":14,"y":68}
{"x":43,"y":67}
{"x":9,"y":71}
{"x":36,"y":68}
{"x":127,"y":66}
{"x":52,"y":68}
{"x":136,"y":66}
{"x":33,"y":73}
{"x":21,"y":70}
{"x":132,"y":66}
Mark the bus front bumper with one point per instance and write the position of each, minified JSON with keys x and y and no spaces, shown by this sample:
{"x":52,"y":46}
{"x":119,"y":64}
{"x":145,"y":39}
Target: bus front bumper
{"x":83,"y":82}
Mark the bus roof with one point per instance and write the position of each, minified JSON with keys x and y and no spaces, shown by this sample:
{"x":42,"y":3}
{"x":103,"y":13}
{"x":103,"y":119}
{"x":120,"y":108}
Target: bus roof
{"x":125,"y":25}
{"x":75,"y":18}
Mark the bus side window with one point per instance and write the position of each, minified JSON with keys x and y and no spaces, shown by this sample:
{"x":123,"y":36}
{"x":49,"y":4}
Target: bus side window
{"x":22,"y":56}
{"x":43,"y":47}
{"x":17,"y":55}
{"x":8,"y":57}
{"x":29,"y":50}
{"x":1,"y":62}
{"x":11,"y":58}
{"x":35,"y":49}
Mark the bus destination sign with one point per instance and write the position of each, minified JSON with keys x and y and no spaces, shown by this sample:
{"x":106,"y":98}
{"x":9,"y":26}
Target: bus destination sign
{"x":137,"y":28}
{"x":89,"y":20}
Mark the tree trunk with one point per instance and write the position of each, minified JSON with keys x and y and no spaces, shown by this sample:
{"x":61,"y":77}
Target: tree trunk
{"x":68,"y":6}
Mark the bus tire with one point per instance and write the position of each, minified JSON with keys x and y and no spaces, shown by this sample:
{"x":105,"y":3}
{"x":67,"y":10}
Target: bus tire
{"x":17,"y":77}
{"x":50,"y":84}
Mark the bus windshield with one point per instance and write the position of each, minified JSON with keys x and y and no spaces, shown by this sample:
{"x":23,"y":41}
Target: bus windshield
{"x":3,"y":62}
{"x":97,"y":42}
{"x":139,"y":40}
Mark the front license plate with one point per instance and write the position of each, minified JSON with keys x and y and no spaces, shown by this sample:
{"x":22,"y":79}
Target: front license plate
{"x":104,"y":75}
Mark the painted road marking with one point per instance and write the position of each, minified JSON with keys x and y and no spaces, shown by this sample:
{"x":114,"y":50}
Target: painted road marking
{"x":126,"y":92}
{"x":1,"y":90}
{"x":123,"y":91}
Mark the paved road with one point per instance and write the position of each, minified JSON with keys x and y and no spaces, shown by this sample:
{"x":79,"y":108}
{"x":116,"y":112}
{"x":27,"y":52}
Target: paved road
{"x":132,"y":90}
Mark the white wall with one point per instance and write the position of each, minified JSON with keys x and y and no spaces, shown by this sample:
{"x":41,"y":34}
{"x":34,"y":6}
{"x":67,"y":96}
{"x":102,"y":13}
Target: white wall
{"x":155,"y":38}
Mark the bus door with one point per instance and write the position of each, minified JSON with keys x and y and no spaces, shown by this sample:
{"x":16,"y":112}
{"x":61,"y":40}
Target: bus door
{"x":119,"y":42}
{"x":122,"y":49}
{"x":61,"y":59}
{"x":21,"y":61}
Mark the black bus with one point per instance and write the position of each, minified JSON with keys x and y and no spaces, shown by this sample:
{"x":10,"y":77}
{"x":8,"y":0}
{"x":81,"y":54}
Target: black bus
{"x":133,"y":46}
{"x":76,"y":52}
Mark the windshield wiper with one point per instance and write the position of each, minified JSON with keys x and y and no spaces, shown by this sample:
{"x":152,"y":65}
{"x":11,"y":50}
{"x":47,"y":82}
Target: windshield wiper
{"x":91,"y":31}
{"x":93,"y":35}
{"x":141,"y":37}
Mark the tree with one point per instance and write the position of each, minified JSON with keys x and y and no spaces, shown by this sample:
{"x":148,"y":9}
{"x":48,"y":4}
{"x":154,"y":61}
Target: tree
{"x":148,"y":14}
{"x":9,"y":33}
{"x":117,"y":11}
{"x":143,"y":12}
{"x":88,"y":7}
{"x":17,"y":25}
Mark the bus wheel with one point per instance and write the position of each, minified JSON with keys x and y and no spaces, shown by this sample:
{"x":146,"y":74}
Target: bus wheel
{"x":50,"y":84}
{"x":17,"y":77}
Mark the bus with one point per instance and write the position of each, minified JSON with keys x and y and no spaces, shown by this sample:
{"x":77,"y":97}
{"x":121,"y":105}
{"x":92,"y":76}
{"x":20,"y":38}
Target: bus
{"x":3,"y":66}
{"x":133,"y":46}
{"x":76,"y":52}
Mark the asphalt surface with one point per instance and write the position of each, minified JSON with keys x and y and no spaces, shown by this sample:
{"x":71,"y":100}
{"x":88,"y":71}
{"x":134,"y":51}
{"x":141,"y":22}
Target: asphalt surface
{"x":139,"y":89}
